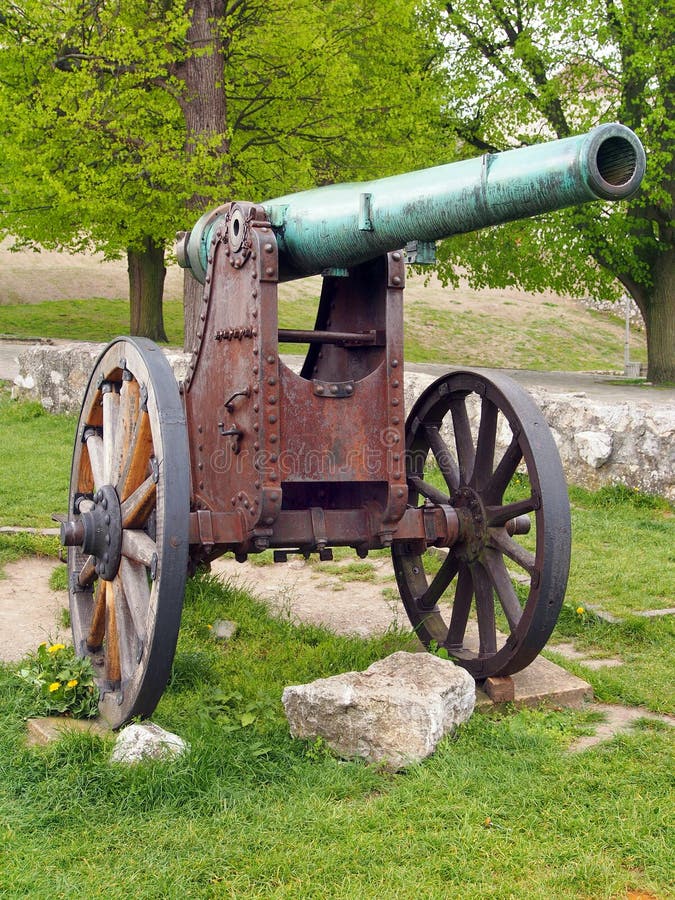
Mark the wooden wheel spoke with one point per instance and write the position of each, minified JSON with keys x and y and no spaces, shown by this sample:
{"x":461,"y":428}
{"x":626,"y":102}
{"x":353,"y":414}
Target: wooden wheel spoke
{"x":485,"y":444}
{"x":96,"y":457}
{"x":97,"y":627}
{"x":460,"y":608}
{"x":443,"y":456}
{"x":85,"y":475}
{"x":500,"y":515}
{"x":126,"y":420}
{"x":506,"y":593}
{"x":87,"y":573}
{"x":466,"y":453}
{"x":135,"y":466}
{"x":138,"y":506}
{"x":500,"y":540}
{"x":113,"y":668}
{"x":439,"y":585}
{"x":504,"y":472}
{"x":428,"y":490}
{"x":485,"y":610}
{"x":137,"y":593}
{"x":127,"y":644}
{"x":138,"y":547}
{"x":111,"y":403}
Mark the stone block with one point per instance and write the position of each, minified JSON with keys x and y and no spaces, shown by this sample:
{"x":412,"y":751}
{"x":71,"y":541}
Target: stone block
{"x":393,"y":714}
{"x":46,"y":729}
{"x":142,"y":741}
{"x":500,"y":690}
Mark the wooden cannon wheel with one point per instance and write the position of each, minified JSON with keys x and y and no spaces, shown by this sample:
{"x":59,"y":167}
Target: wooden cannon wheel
{"x":481,"y":445}
{"x":127,"y":528}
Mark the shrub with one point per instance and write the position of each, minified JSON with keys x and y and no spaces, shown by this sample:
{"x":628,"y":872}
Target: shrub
{"x":63,"y":683}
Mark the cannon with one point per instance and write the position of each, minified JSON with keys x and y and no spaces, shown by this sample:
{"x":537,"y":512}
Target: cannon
{"x":246,"y":454}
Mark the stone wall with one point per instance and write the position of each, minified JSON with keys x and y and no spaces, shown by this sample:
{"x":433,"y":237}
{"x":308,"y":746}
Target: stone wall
{"x":601,"y":443}
{"x":631,"y":442}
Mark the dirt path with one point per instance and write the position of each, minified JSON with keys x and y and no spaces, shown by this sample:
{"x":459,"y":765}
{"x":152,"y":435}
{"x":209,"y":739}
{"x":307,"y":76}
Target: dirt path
{"x":305,"y":591}
{"x":30,"y":611}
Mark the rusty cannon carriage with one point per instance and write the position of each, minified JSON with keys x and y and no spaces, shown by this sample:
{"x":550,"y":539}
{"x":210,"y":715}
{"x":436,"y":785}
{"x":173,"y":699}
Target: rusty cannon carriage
{"x":247,"y":454}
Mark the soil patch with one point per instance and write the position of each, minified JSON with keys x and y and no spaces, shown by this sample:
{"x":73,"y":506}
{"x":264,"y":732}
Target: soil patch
{"x":306,"y":592}
{"x":30,"y":610}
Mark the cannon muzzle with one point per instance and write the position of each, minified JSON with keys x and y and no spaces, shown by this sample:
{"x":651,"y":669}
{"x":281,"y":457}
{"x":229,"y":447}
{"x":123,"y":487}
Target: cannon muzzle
{"x":342,"y":225}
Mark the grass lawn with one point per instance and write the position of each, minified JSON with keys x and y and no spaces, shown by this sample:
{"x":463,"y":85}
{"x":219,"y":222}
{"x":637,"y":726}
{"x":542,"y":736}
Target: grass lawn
{"x":35,"y":448}
{"x":93,"y":319}
{"x":501,"y":810}
{"x":439,"y":327}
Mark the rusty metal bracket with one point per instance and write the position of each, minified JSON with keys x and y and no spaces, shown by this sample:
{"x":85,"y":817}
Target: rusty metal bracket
{"x":334,"y":389}
{"x":319,"y":527}
{"x":234,"y":432}
{"x":229,"y":406}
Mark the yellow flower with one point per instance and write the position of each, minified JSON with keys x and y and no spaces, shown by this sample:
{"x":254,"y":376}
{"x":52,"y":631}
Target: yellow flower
{"x":54,"y":686}
{"x":55,"y":647}
{"x":580,"y":610}
{"x":72,"y":683}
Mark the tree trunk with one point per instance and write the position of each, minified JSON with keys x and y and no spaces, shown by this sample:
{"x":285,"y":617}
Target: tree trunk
{"x":660,"y":321}
{"x":146,"y":286}
{"x":192,"y":295}
{"x":205,"y":109}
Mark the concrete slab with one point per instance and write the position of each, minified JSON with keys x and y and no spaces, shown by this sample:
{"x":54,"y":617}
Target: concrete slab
{"x":45,"y":730}
{"x":543,"y":683}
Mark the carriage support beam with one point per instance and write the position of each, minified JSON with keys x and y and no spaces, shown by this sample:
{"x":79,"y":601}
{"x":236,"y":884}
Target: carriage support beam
{"x":432,"y":525}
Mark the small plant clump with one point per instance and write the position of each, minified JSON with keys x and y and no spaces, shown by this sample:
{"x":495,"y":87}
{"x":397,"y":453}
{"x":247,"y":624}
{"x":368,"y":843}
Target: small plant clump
{"x":63,"y":683}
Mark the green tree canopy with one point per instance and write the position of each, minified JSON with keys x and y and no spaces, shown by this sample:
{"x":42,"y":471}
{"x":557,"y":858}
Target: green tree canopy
{"x":521,"y":71}
{"x":108,"y":144}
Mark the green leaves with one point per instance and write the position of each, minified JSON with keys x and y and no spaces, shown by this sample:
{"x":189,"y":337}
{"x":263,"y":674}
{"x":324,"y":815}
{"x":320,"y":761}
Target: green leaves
{"x":63,"y":684}
{"x":524,"y":72}
{"x":96,"y":146}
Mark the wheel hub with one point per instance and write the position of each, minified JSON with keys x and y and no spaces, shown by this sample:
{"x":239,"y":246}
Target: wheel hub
{"x":473,"y":531}
{"x":99,"y":532}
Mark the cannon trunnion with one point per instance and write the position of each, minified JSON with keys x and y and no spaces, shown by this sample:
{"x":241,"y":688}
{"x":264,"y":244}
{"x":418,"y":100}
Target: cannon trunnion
{"x":249,"y":455}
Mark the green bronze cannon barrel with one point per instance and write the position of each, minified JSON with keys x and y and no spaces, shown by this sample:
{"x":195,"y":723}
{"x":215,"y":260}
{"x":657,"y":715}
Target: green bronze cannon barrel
{"x":341,"y":225}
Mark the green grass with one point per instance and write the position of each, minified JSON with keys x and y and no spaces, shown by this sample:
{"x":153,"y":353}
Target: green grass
{"x":623,"y":550}
{"x":500,"y":811}
{"x":94,"y":319}
{"x":551,"y":339}
{"x":552,"y":342}
{"x":35,"y":448}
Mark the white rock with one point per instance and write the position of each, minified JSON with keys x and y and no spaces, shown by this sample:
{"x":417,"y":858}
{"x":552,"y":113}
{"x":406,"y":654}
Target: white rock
{"x":27,"y":383}
{"x":147,"y":741}
{"x":394,"y":713}
{"x":594,"y":447}
{"x":224,"y":630}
